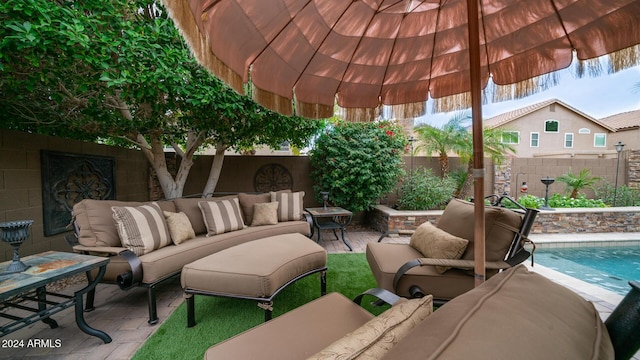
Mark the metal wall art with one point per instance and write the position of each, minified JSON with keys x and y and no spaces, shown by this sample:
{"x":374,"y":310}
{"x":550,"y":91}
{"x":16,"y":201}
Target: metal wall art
{"x":69,"y":178}
{"x":272,"y":177}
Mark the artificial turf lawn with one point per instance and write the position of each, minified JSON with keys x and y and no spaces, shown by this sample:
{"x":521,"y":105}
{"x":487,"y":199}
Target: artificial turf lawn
{"x":221,"y":318}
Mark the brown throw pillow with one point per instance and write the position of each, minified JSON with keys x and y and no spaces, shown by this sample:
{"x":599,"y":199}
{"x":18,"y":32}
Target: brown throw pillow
{"x":248,"y":200}
{"x":265,"y":214}
{"x":437,"y":244}
{"x":142,"y":229}
{"x":179,"y":227}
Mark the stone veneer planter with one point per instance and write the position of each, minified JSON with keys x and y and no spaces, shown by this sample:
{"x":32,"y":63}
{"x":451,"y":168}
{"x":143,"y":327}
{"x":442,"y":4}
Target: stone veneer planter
{"x":577,"y":220}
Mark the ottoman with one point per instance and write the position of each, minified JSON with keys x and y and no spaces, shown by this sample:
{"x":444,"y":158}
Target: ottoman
{"x":256,"y":270}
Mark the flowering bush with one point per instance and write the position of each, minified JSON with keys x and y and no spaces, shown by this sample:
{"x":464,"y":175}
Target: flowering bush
{"x":425,"y":191}
{"x":358,"y":163}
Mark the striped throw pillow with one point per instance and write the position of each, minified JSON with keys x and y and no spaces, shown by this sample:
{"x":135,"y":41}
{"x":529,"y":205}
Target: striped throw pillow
{"x":142,"y":229}
{"x":221,"y":216}
{"x":291,"y":205}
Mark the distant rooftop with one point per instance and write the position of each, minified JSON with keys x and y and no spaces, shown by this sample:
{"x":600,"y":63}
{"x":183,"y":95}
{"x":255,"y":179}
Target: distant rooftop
{"x":623,"y":121}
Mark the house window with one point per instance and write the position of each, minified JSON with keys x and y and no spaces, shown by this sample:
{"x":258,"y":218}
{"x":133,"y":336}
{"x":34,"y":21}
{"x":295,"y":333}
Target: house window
{"x":568,"y":140}
{"x":551,"y":126}
{"x":599,"y":140}
{"x":584,"y":131}
{"x":535,"y":139}
{"x":511,"y":137}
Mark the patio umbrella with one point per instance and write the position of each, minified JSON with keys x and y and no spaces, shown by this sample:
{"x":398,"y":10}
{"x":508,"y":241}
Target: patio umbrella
{"x":303,"y":56}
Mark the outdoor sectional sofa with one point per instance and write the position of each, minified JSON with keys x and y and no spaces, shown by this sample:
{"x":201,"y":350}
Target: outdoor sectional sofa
{"x":517,"y":314}
{"x":211,"y":225}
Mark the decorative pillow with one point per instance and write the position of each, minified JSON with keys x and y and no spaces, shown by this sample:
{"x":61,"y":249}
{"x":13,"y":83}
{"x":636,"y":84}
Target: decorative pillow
{"x":265,"y":214}
{"x":373,"y":339}
{"x":291,"y":204}
{"x":142,"y":229}
{"x":221,"y":216}
{"x":179,"y":226}
{"x":437,"y":244}
{"x":458,"y":218}
{"x":248,"y":200}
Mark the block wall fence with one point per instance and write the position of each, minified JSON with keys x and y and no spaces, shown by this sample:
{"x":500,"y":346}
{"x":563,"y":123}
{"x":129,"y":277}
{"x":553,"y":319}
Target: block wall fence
{"x":21,"y":177}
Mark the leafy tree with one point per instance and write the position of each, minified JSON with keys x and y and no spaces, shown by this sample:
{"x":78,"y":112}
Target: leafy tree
{"x":357,"y":163}
{"x":575,"y":183}
{"x":119,"y":72}
{"x":451,"y":137}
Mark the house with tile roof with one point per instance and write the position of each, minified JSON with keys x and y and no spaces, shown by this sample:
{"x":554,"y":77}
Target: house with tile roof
{"x":627,"y":127}
{"x":553,"y":129}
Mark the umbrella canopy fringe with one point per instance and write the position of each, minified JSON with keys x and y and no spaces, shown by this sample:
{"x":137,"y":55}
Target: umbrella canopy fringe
{"x":452,"y":103}
{"x":272,"y":101}
{"x":199,"y":44}
{"x":360,"y":114}
{"x":624,"y":59}
{"x":524,"y":88}
{"x":410,"y":110}
{"x":313,"y":111}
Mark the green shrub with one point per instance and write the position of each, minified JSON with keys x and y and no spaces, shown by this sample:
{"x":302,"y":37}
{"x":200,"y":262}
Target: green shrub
{"x":563,"y":201}
{"x":425,"y":191}
{"x":624,"y":196}
{"x":358,"y":163}
{"x":530,"y":201}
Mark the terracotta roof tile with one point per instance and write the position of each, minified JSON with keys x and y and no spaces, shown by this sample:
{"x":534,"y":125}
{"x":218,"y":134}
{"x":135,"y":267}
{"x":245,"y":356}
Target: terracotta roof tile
{"x":623,"y":121}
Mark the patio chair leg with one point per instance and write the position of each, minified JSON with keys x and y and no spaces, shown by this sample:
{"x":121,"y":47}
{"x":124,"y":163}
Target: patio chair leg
{"x":153,"y":311}
{"x":191,"y":311}
{"x":323,"y":283}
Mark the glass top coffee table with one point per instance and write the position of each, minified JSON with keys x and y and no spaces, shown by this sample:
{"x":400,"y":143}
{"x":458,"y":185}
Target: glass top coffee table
{"x":332,"y":218}
{"x":18,"y":291}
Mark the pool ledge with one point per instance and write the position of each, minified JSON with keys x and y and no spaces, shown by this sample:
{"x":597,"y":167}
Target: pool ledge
{"x":557,"y":240}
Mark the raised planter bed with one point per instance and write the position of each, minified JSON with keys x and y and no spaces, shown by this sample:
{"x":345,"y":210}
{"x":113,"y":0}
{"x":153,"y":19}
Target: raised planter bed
{"x":588,"y":220}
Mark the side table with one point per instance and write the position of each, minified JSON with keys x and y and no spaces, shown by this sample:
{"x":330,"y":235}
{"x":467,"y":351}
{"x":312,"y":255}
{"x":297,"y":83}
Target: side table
{"x":331,"y":218}
{"x":18,"y":290}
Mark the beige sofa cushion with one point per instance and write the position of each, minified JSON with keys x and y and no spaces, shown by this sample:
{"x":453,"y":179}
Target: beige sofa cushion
{"x":265,"y":214}
{"x":458,"y":218}
{"x":221,"y":216}
{"x":375,"y":338}
{"x":142,"y":229}
{"x":290,"y":205}
{"x":179,"y":227}
{"x":248,"y":200}
{"x":437,"y":244}
{"x":516,"y":314}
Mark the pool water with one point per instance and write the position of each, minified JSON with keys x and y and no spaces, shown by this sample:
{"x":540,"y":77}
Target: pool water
{"x":608,"y":267}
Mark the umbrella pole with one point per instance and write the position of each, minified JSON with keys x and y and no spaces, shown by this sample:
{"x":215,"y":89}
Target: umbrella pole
{"x":478,"y":145}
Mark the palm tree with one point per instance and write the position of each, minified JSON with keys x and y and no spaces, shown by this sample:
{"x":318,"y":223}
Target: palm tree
{"x":449,"y":138}
{"x":579,"y":182}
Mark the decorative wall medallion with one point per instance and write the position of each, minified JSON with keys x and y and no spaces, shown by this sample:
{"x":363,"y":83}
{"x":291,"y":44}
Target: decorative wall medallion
{"x":272,"y":177}
{"x":69,"y":178}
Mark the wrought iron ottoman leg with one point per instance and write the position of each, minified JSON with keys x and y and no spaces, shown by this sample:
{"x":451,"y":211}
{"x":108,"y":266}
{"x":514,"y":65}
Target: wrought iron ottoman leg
{"x":268,"y":309}
{"x":191,"y":310}
{"x":323,"y":283}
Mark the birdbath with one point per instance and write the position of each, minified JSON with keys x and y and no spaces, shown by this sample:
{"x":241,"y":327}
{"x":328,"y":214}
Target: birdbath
{"x":15,"y":233}
{"x":547,"y":181}
{"x":325,"y":198}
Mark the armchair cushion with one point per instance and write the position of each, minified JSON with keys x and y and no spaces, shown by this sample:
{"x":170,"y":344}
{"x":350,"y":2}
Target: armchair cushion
{"x":458,"y":218}
{"x":142,"y":229}
{"x":437,"y":244}
{"x":376,"y":337}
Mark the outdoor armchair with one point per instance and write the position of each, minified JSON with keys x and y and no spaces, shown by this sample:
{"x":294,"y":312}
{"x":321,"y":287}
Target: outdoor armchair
{"x":439,"y":260}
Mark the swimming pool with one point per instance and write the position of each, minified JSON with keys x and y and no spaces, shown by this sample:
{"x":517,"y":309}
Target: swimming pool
{"x":608,"y":267}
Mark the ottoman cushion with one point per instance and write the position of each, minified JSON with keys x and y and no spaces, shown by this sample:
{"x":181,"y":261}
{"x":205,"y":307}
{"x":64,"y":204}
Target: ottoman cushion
{"x":256,"y":268}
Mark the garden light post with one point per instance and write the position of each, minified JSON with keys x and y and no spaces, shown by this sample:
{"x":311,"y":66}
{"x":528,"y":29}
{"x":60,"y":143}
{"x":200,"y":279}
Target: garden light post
{"x":547,"y":181}
{"x":411,"y":141}
{"x":619,"y":147}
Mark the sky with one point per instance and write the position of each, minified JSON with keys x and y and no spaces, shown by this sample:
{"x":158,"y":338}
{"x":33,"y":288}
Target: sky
{"x":598,"y":97}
